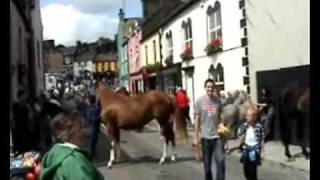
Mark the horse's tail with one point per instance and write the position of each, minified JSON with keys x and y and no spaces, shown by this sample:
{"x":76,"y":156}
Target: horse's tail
{"x":179,"y":121}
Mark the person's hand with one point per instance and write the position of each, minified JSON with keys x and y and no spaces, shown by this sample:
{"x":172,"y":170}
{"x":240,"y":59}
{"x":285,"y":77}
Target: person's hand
{"x":196,"y":141}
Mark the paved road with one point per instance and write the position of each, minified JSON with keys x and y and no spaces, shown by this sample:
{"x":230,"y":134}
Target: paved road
{"x":141,"y":153}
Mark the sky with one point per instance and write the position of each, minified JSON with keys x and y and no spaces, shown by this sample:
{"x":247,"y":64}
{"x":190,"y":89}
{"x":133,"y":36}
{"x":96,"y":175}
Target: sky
{"x":67,"y":21}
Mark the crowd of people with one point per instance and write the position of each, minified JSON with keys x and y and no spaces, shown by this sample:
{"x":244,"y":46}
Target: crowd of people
{"x":62,"y":124}
{"x":56,"y":123}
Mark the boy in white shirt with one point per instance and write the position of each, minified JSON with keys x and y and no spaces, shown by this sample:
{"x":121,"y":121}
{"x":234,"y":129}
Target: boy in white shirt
{"x":251,"y":133}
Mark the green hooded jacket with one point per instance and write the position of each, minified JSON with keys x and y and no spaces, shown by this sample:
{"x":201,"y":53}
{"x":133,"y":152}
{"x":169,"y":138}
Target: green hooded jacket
{"x":67,"y":162}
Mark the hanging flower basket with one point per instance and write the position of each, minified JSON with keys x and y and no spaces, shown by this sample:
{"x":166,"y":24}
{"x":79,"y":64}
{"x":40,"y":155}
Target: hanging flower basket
{"x":187,"y":54}
{"x":169,"y":60}
{"x":214,"y":46}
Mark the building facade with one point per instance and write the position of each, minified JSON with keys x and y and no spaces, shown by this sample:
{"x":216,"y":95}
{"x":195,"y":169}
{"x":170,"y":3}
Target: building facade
{"x":278,"y":39}
{"x":136,"y":77}
{"x":26,"y":60}
{"x":204,"y":39}
{"x":38,"y":48}
{"x":105,"y":66}
{"x":53,"y":57}
{"x":122,"y":37}
{"x":68,"y":59}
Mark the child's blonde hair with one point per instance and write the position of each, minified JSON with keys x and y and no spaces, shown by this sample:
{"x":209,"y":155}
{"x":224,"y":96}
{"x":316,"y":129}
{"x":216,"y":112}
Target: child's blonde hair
{"x":253,"y":110}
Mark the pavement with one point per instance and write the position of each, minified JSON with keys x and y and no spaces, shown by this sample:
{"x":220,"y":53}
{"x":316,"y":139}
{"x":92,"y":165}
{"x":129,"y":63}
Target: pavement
{"x":141,"y":153}
{"x":274,"y":151}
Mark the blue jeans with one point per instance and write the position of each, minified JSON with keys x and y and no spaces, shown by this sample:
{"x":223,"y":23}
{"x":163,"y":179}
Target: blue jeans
{"x":213,"y":149}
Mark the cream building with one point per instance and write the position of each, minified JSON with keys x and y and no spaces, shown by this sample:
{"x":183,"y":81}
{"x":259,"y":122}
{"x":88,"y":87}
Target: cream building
{"x":278,"y":37}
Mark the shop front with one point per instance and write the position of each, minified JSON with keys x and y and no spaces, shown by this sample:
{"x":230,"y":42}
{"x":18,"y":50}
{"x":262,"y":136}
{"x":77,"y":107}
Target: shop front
{"x":170,"y":77}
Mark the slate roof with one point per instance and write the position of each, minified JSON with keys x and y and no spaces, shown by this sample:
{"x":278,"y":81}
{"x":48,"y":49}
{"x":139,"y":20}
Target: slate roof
{"x":105,"y":57}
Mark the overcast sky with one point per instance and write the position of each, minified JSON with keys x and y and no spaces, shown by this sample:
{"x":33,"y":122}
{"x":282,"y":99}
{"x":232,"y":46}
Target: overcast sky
{"x":67,"y":21}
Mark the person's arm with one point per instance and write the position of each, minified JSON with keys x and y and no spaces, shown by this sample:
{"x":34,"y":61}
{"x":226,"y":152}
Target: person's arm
{"x":197,"y":114}
{"x":78,"y":168}
{"x":262,"y":142}
{"x":196,"y":139}
{"x":261,"y":106}
{"x":241,"y":133}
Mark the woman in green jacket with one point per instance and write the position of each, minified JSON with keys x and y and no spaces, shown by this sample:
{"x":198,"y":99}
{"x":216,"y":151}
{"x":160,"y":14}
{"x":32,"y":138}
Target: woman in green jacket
{"x":65,"y":160}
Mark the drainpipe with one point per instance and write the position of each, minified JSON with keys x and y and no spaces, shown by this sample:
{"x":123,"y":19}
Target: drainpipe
{"x":160,"y":32}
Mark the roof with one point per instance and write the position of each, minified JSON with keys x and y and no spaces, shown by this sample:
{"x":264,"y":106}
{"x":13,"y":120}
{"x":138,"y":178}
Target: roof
{"x":68,"y":50}
{"x":85,"y":56}
{"x":105,"y":57}
{"x":163,"y":17}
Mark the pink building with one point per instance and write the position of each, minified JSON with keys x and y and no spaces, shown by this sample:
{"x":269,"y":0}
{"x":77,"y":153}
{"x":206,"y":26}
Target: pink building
{"x":133,"y":51}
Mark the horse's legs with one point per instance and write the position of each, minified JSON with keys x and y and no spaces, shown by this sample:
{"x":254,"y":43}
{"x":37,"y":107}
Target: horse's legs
{"x":164,"y":152}
{"x":112,"y":154}
{"x":300,"y":128}
{"x":115,"y":146}
{"x":168,"y":134}
{"x":173,"y":151}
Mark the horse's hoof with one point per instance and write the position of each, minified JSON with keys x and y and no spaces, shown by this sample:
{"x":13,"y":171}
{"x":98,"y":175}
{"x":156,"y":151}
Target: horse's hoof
{"x":307,"y":157}
{"x":161,"y":161}
{"x":173,"y":158}
{"x":109,"y":167}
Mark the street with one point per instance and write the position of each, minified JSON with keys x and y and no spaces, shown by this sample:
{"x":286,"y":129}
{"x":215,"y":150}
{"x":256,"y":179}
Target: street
{"x":141,"y":153}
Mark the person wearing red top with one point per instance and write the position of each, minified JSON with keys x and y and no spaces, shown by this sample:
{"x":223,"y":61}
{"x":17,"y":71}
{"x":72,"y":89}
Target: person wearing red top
{"x":183,"y":103}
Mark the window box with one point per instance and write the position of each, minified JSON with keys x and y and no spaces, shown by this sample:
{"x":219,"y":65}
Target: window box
{"x":187,"y":54}
{"x":214,"y":46}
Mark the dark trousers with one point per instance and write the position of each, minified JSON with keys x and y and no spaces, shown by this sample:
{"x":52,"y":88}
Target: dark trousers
{"x":250,"y":170}
{"x":185,"y":114}
{"x":94,"y":137}
{"x":213,"y":149}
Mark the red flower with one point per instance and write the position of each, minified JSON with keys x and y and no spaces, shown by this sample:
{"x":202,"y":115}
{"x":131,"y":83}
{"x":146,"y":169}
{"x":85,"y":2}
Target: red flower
{"x":188,"y":50}
{"x":216,"y":42}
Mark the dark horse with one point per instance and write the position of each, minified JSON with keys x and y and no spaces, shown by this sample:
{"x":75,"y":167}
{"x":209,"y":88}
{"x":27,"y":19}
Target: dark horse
{"x":122,"y":112}
{"x":294,"y":106}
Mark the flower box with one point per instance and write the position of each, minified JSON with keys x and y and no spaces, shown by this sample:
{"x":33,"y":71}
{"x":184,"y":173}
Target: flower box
{"x":214,"y":46}
{"x":187,"y":54}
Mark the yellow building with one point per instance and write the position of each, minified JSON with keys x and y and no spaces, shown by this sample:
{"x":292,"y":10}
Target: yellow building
{"x":105,"y":65}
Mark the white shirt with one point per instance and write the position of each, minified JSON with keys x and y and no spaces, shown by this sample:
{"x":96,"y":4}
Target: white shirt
{"x":250,"y":138}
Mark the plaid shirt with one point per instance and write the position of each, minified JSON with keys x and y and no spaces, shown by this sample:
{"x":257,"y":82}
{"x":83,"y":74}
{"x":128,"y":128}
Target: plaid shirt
{"x":258,"y":132}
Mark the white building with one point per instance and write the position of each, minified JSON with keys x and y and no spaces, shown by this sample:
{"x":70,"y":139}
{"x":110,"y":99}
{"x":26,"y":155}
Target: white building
{"x":278,"y":40}
{"x":83,"y":63}
{"x":195,"y":24}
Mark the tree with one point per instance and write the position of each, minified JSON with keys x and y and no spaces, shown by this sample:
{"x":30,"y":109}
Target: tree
{"x":106,"y":45}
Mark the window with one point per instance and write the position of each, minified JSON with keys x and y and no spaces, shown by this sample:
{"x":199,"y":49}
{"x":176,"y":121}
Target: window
{"x":67,"y":60}
{"x":146,"y":54}
{"x":219,"y":78}
{"x":169,"y":44}
{"x":187,"y":33}
{"x":218,"y":75}
{"x":154,"y":50}
{"x":214,"y":22}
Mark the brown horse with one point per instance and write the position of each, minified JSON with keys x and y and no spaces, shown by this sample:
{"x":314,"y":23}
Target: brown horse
{"x":294,"y":107}
{"x":122,"y":112}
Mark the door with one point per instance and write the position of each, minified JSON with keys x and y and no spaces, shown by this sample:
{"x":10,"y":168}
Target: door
{"x":190,"y":92}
